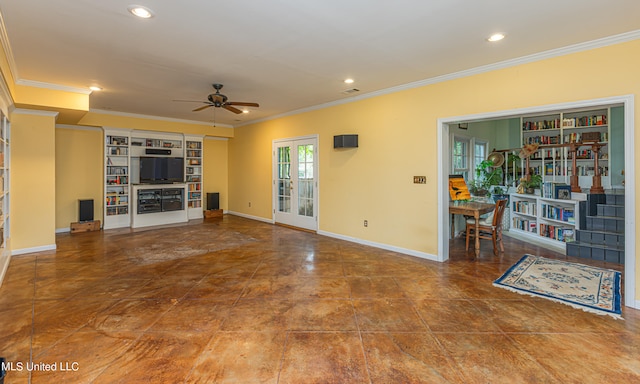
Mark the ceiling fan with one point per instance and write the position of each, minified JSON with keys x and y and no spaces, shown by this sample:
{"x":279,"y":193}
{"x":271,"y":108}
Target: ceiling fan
{"x":219,"y":100}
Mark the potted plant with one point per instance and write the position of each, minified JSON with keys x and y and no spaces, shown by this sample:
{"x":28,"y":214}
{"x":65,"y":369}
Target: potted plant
{"x":487,"y":175}
{"x":530,"y":185}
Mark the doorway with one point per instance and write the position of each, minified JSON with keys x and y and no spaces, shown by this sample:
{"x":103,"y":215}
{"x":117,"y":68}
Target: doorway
{"x":295,"y":182}
{"x":444,"y":166}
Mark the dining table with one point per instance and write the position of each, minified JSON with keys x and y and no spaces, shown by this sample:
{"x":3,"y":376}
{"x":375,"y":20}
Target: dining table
{"x":474,"y":209}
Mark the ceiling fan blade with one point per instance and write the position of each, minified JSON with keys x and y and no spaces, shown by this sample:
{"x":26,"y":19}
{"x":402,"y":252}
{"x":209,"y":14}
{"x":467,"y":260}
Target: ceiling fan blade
{"x":203,"y":107}
{"x":232,"y":109}
{"x":243,"y":104}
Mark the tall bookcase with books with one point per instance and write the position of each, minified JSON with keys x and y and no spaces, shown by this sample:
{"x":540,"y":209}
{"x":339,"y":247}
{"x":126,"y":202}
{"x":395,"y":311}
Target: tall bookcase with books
{"x":193,"y":175}
{"x":555,"y":163}
{"x":117,"y":179}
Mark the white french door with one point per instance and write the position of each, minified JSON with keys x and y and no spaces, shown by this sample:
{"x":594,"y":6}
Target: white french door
{"x":295,"y":182}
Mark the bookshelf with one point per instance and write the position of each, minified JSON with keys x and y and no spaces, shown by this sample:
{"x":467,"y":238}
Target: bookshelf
{"x":117,"y":179}
{"x":577,"y":126}
{"x":193,"y":175}
{"x":547,"y":220}
{"x":5,"y":163}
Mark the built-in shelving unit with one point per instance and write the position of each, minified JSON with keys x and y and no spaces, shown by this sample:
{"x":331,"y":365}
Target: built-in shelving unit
{"x":128,"y":202}
{"x":586,"y":126}
{"x":5,"y":162}
{"x":551,"y":221}
{"x":193,"y":175}
{"x":117,"y":179}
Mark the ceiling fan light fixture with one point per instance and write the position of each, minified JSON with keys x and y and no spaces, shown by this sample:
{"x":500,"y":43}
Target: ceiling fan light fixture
{"x":140,"y":11}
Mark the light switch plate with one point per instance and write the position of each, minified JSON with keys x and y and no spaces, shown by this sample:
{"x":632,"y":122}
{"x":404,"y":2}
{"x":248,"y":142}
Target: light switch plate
{"x":420,"y":179}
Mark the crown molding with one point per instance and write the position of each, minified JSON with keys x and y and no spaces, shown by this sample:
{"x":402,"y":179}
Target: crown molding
{"x":150,"y":117}
{"x":54,"y":87}
{"x":79,"y":127}
{"x":580,"y":47}
{"x":34,"y":112}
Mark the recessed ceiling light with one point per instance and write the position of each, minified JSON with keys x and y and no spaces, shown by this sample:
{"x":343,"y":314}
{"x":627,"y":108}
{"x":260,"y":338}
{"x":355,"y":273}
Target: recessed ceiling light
{"x":348,"y":81}
{"x":495,"y":37}
{"x":140,"y":11}
{"x":94,"y":88}
{"x":245,"y":111}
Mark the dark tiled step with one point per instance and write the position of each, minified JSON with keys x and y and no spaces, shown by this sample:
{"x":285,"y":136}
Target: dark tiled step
{"x":600,"y":238}
{"x":595,"y":252}
{"x":614,"y":199}
{"x":610,"y":210}
{"x":605,"y":223}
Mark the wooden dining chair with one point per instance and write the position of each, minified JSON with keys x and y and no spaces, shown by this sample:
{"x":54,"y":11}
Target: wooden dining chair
{"x":489,"y":228}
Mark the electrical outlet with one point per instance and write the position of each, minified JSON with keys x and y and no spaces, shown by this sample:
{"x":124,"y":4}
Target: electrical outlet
{"x":366,"y":223}
{"x":420,"y":179}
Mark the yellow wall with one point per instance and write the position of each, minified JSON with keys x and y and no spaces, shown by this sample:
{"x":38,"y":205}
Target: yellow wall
{"x":216,"y":170}
{"x":397,"y":134}
{"x":33,"y":174}
{"x":79,"y":160}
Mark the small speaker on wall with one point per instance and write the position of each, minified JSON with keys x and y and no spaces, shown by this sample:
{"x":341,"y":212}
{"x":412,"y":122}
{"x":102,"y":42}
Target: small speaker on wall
{"x":86,"y":210}
{"x":345,"y":141}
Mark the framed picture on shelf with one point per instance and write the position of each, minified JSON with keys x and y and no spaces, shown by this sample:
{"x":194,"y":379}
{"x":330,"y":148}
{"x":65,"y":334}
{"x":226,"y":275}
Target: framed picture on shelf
{"x":562,"y":192}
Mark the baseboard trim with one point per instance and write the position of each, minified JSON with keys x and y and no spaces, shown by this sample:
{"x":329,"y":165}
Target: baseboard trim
{"x":43,"y":248}
{"x":387,"y":247}
{"x":250,"y":217}
{"x":63,"y":230}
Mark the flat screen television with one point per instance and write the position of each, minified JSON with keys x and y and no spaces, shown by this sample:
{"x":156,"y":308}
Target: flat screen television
{"x":158,"y":170}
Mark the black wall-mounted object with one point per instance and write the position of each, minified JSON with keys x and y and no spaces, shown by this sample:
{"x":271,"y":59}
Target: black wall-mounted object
{"x":157,"y":151}
{"x":213,"y":200}
{"x":345,"y":141}
{"x":86,"y":210}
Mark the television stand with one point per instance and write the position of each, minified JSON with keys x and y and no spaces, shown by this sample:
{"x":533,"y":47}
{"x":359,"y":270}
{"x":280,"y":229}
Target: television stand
{"x":159,"y":204}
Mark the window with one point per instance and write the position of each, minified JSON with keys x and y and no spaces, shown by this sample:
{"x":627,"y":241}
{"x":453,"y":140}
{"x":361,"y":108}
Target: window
{"x":479,"y":152}
{"x":466,"y":154}
{"x":460,"y":156}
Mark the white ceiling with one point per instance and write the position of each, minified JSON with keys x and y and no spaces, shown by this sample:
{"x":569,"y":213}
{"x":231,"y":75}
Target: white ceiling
{"x":285,"y":55}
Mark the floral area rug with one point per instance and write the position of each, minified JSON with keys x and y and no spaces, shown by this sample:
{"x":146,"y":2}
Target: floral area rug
{"x":589,"y":288}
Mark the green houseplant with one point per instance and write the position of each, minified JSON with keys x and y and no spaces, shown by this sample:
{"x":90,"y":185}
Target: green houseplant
{"x":535,"y":181}
{"x":486,"y":175}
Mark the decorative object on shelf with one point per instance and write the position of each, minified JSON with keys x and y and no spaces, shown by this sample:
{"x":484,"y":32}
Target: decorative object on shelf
{"x":529,"y":185}
{"x":591,"y":289}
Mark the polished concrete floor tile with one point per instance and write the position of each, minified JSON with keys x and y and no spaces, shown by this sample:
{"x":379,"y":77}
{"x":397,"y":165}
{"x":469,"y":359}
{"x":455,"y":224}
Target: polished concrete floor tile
{"x":393,"y":315}
{"x":323,"y":357}
{"x":407,"y":358}
{"x":608,"y":363}
{"x":157,"y":357}
{"x":204,"y":316}
{"x":323,"y":315}
{"x":491,"y":358}
{"x":366,"y":287}
{"x":259,"y":315}
{"x":456,"y":315}
{"x":84,"y":355}
{"x":234,"y":300}
{"x":240,"y":357}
